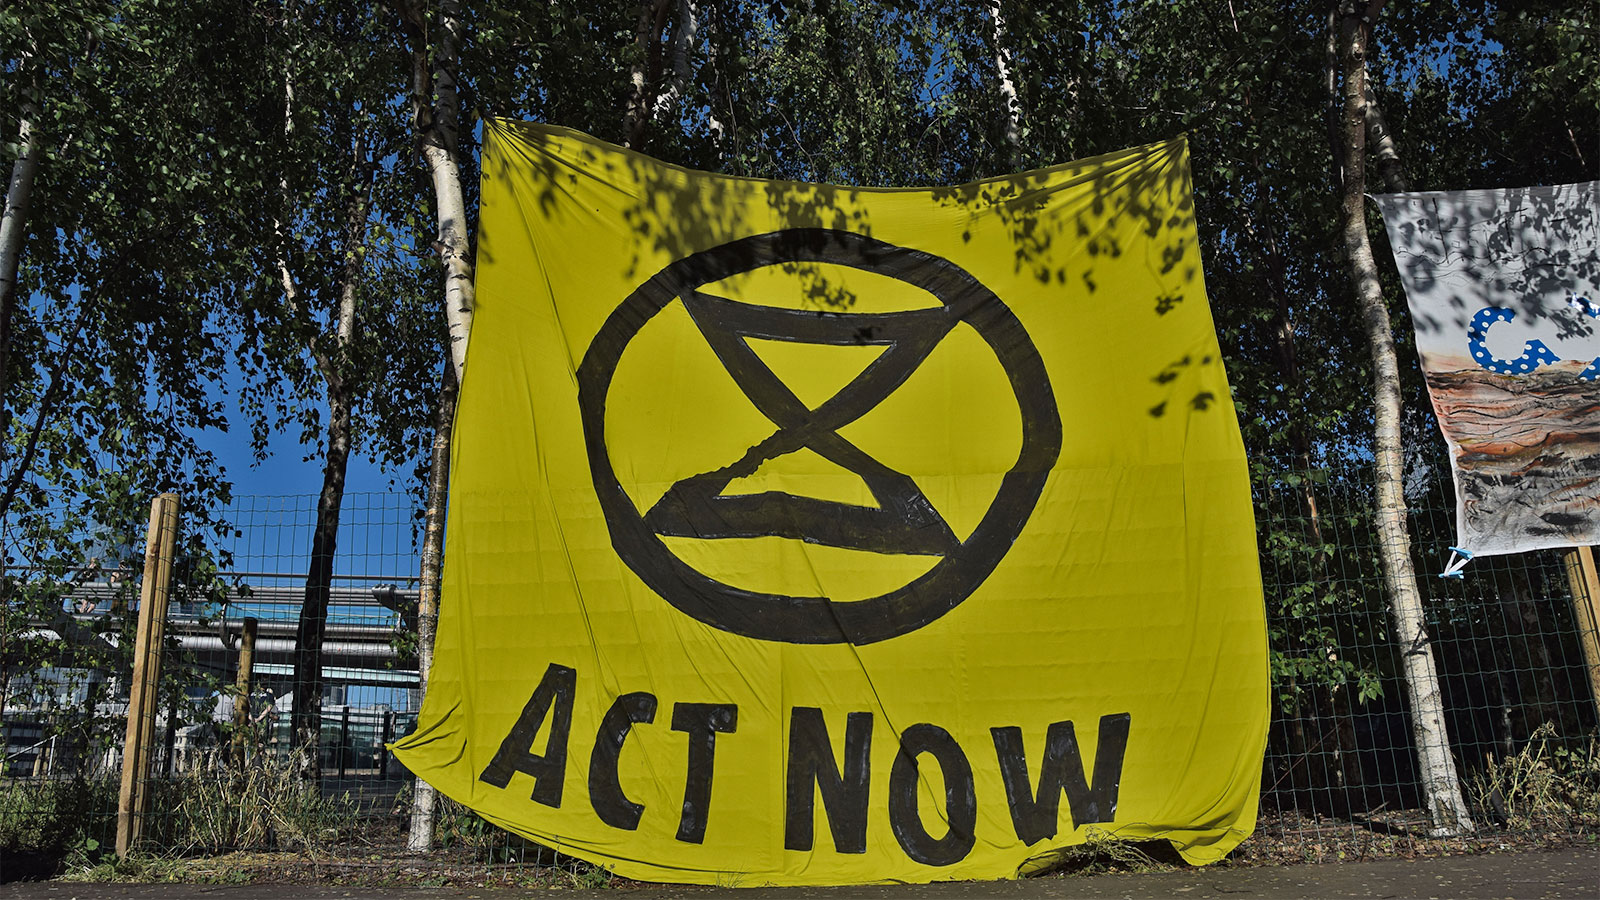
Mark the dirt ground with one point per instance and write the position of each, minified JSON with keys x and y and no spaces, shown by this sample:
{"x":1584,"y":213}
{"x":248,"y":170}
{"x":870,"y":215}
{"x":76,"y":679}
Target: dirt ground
{"x":1572,"y":871}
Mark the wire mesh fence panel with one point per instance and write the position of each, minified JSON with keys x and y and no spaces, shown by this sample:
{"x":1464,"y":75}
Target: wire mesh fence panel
{"x":1340,"y":777}
{"x":228,"y":769}
{"x":222,"y":771}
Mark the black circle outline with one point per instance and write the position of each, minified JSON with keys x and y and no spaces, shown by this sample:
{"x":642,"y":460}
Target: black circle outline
{"x":818,"y":620}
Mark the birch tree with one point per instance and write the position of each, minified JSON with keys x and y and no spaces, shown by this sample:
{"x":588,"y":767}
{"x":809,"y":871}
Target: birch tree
{"x":1012,"y":109}
{"x":435,"y":114}
{"x":436,"y":118}
{"x":335,"y":344}
{"x":19,"y":194}
{"x":119,"y":276}
{"x":645,"y":74}
{"x":1441,"y":787}
{"x":332,"y":348}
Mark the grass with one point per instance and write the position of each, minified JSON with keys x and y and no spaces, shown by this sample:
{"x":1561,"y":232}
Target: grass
{"x":1548,"y":789}
{"x":267,"y":805}
{"x":70,"y":824}
{"x":1102,"y":851}
{"x":1547,"y":785}
{"x":55,"y":818}
{"x":146,"y":869}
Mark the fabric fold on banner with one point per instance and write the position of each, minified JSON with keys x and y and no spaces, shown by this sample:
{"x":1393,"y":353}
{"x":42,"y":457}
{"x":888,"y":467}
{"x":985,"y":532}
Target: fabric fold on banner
{"x":808,"y":534}
{"x":1504,"y":289}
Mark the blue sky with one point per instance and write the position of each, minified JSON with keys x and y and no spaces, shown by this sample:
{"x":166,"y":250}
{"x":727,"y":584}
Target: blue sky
{"x":275,"y":502}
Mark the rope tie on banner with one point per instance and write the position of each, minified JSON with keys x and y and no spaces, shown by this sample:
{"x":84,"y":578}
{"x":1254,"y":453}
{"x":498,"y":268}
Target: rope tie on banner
{"x":1458,"y":561}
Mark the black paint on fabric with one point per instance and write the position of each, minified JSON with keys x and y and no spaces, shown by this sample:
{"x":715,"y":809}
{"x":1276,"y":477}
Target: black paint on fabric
{"x":555,"y":691}
{"x":960,"y":797}
{"x":702,"y":722}
{"x":813,"y":769}
{"x":904,"y":521}
{"x":1035,"y":814}
{"x":605,"y":788}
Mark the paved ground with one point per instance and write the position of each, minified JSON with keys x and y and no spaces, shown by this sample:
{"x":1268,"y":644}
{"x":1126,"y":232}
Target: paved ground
{"x":1569,"y":872}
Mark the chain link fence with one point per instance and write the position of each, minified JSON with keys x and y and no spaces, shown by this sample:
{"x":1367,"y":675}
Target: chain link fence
{"x":1339,"y":779}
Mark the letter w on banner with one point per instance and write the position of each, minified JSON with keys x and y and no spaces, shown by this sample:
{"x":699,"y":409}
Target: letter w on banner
{"x":1504,"y":288}
{"x":804,"y":534}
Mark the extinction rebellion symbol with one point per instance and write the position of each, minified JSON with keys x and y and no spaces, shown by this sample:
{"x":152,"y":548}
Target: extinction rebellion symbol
{"x":904,"y":522}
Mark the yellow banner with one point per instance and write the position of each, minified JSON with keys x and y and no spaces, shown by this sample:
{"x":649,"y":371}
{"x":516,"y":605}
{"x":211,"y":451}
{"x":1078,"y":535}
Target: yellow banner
{"x":804,"y":534}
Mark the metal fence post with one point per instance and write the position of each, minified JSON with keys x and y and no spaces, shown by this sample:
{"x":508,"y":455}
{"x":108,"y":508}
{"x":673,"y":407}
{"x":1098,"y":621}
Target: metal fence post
{"x":134,"y":797}
{"x":344,"y":738}
{"x":170,"y":740}
{"x":384,"y":736}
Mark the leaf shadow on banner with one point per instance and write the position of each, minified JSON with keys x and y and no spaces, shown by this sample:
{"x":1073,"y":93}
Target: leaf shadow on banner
{"x":1525,"y":245}
{"x":674,"y":215}
{"x":1504,"y":291}
{"x":1116,"y":233}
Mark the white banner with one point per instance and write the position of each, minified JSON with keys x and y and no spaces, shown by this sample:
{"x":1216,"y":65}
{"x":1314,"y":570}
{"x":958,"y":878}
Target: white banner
{"x":1504,"y":287}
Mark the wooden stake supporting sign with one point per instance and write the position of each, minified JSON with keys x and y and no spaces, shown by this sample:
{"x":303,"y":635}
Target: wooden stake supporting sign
{"x":134,"y":798}
{"x":1585,"y":582}
{"x":243,"y":685}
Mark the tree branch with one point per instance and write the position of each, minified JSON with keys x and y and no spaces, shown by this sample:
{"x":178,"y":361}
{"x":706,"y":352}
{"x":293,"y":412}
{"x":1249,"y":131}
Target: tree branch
{"x":52,"y":396}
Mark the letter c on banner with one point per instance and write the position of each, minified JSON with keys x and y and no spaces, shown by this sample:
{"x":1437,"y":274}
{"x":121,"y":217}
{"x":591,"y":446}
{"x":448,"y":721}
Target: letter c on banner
{"x":1534,"y":354}
{"x":605,"y":789}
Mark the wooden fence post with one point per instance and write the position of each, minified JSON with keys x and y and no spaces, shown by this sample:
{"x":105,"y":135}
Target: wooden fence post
{"x":1585,"y":582}
{"x":134,"y":798}
{"x":243,"y":684}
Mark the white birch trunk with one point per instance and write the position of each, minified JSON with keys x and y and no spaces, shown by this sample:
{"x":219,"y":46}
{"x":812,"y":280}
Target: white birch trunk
{"x":454,"y":251}
{"x":633,"y":114}
{"x":336,"y":373}
{"x":436,"y":117}
{"x":1008,"y":88}
{"x":19,"y":195}
{"x":684,"y":35}
{"x":1383,"y":146}
{"x":638,"y":111}
{"x":424,"y":798}
{"x":1440,"y":785}
{"x":713,"y":124}
{"x":439,"y":151}
{"x":291,"y":293}
{"x":1331,"y":109}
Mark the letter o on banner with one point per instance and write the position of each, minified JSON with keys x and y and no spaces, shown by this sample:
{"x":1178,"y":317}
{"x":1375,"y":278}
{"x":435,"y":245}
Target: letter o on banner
{"x":960,"y":797}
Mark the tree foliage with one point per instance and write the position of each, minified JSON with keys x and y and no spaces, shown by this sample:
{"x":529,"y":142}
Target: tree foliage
{"x":170,"y":190}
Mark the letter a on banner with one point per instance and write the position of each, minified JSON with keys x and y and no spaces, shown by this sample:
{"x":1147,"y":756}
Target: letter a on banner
{"x":804,"y":534}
